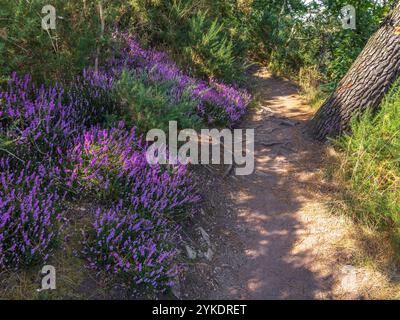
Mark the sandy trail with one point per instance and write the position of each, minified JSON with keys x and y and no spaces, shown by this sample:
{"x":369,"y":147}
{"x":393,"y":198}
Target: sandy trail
{"x":272,"y":236}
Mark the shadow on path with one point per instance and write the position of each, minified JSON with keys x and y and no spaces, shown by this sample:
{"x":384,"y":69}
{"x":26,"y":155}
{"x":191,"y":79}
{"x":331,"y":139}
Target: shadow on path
{"x":271,"y":233}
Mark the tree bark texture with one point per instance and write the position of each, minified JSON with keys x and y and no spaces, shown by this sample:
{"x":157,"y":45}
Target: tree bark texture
{"x":366,"y":82}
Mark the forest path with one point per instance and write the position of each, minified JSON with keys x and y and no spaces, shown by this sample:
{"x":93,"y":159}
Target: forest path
{"x":271,"y":235}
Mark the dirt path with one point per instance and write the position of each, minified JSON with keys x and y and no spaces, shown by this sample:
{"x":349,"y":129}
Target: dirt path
{"x":271,"y":235}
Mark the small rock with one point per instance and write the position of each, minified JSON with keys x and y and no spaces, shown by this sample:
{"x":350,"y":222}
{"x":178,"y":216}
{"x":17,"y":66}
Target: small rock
{"x":205,"y":236}
{"x":190,"y":252}
{"x":209,"y":254}
{"x":285,"y":122}
{"x":263,"y":174}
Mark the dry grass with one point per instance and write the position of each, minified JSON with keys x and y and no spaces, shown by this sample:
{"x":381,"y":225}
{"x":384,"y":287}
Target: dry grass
{"x":310,"y":80}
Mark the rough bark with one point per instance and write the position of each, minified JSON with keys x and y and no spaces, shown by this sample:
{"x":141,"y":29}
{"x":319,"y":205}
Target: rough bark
{"x":365,"y":84}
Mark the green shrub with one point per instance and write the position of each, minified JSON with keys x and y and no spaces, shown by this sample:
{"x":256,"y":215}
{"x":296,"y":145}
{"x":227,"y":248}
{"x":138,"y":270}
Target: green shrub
{"x":54,"y":55}
{"x":371,"y":164}
{"x":149,"y":104}
{"x":295,"y":34}
{"x":202,"y":36}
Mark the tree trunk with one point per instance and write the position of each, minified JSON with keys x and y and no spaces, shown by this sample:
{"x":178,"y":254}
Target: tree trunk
{"x":365,"y":84}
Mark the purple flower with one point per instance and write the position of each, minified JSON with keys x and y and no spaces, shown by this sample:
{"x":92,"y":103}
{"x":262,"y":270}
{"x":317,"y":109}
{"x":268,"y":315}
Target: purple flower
{"x":30,"y":220}
{"x":122,"y":244}
{"x":216,"y":102}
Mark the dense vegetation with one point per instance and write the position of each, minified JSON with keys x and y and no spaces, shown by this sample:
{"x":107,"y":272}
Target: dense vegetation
{"x":69,"y":141}
{"x":209,"y":38}
{"x":75,"y":101}
{"x":370,"y":168}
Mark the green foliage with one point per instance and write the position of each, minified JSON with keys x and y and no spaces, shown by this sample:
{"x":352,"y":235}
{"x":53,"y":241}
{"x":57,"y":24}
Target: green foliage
{"x":345,"y":45}
{"x":202,"y":36}
{"x":210,"y":38}
{"x":151,"y":104}
{"x":295,"y":35}
{"x":371,"y":166}
{"x":209,"y":50}
{"x":54,"y":54}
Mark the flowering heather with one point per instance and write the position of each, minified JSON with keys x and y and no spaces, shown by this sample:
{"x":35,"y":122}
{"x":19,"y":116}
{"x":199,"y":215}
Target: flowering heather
{"x":30,"y":214}
{"x":111,"y":164}
{"x":44,"y":120}
{"x":33,"y":117}
{"x":216,"y":102}
{"x":88,"y":97}
{"x":136,"y":238}
{"x":60,"y":130}
{"x":42,"y":123}
{"x":139,"y":249}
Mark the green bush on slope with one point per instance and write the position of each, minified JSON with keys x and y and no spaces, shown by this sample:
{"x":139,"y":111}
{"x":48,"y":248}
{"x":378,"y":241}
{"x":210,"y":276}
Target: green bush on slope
{"x":371,"y":165}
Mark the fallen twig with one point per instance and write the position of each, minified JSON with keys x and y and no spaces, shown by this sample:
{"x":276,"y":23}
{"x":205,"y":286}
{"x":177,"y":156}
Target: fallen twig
{"x":12,"y":154}
{"x":273,"y":143}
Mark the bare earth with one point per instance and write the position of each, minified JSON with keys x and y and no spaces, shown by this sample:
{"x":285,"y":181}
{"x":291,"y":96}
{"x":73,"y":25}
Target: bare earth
{"x":270,"y":234}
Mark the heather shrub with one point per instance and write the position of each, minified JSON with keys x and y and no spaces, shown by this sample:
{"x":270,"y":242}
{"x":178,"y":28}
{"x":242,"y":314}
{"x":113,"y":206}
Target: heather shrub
{"x":111,"y":165}
{"x":136,"y":238}
{"x":152,"y":104}
{"x":76,"y":145}
{"x":220,"y":103}
{"x":42,"y":121}
{"x":215,"y":102}
{"x":140,"y":250}
{"x":33,"y":117}
{"x":89,"y":98}
{"x":30,"y":214}
{"x":107,"y":165}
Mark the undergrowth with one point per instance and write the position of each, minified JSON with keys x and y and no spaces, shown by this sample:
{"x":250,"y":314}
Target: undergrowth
{"x":369,"y":170}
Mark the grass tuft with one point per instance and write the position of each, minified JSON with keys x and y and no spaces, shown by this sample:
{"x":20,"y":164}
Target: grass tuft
{"x":368,"y":172}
